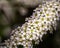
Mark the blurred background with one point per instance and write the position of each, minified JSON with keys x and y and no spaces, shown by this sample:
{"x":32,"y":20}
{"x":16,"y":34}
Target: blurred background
{"x":13,"y":14}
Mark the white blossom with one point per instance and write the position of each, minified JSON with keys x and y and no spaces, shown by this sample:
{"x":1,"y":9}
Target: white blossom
{"x":43,"y":19}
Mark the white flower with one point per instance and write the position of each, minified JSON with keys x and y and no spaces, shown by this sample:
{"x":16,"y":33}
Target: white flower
{"x":44,"y":18}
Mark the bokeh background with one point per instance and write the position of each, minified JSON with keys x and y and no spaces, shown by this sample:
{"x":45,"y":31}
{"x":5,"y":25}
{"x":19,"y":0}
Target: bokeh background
{"x":13,"y":14}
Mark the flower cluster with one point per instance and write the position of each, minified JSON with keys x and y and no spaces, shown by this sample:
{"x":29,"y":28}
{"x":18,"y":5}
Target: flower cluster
{"x":44,"y":18}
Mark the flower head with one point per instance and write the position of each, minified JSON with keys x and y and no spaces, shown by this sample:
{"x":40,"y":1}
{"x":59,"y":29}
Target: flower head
{"x":43,"y":19}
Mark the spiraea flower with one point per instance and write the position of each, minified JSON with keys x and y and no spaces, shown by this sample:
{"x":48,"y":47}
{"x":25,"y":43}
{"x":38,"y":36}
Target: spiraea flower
{"x":44,"y":18}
